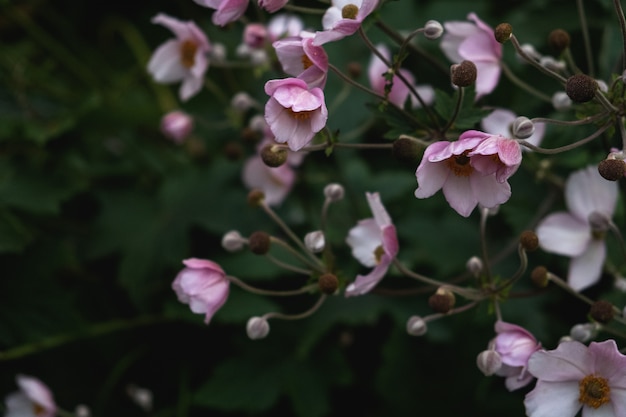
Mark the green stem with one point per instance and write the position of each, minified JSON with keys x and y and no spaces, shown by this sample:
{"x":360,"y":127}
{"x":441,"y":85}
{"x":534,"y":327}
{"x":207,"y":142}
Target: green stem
{"x":523,"y":85}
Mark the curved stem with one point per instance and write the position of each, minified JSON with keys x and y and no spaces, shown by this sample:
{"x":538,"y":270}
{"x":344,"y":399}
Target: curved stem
{"x":484,"y":214}
{"x":314,"y":265}
{"x":583,"y":121}
{"x":261,"y":291}
{"x":287,"y":266}
{"x":534,"y":63}
{"x":586,"y":40}
{"x":457,"y":109}
{"x":566,"y":147}
{"x":521,"y":84}
{"x":303,"y":315}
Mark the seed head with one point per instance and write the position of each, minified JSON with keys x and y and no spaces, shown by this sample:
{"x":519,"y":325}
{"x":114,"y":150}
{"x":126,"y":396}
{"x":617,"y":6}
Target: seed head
{"x":503,"y":32}
{"x":612,"y":169}
{"x":259,"y":243}
{"x":559,"y":40}
{"x":463,"y":74}
{"x":581,"y":88}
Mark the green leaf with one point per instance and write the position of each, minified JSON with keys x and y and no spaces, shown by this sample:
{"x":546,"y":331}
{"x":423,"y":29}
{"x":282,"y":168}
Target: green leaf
{"x":14,"y":235}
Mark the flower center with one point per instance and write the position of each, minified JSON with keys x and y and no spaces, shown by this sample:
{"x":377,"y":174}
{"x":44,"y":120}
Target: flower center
{"x":594,"y":391}
{"x":459,"y":165}
{"x":378,"y":253}
{"x":188,"y":53}
{"x":306,"y":61}
{"x":349,"y":11}
{"x":300,"y":115}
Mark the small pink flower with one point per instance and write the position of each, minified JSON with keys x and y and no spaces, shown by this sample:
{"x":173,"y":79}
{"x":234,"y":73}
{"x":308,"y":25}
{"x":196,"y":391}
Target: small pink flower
{"x":300,"y":58}
{"x":474,"y":42}
{"x":274,"y":182}
{"x":515,"y":345}
{"x":34,"y":399}
{"x":181,"y":59}
{"x":294,"y":112}
{"x":374,"y":243}
{"x":176,"y":125}
{"x":203,"y":285}
{"x":495,"y":154}
{"x":500,"y":121}
{"x":343,"y":19}
{"x":272,"y":6}
{"x":448,"y":166}
{"x":570,"y":233}
{"x":574,"y":376}
{"x":226,"y":11}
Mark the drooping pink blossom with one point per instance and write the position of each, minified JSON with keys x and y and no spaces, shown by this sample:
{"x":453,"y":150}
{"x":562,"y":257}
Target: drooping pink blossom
{"x":500,"y":121}
{"x":374,"y":243}
{"x":300,"y":58}
{"x":515,"y":346}
{"x":294,"y":112}
{"x":226,"y":11}
{"x":183,"y":58}
{"x":203,"y":285}
{"x":574,"y":377}
{"x":573,"y":234}
{"x":343,"y":19}
{"x":474,"y":41}
{"x":34,"y":399}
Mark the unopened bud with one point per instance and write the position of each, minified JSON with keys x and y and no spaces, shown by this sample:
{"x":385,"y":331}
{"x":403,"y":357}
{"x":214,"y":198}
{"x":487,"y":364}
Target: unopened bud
{"x":257,"y":123}
{"x":561,"y":101}
{"x":612,"y":169}
{"x":416,"y":326}
{"x":433,"y":29}
{"x":242,"y":101}
{"x":602,"y":311}
{"x":334,"y":192}
{"x":257,"y":328}
{"x":442,"y":301}
{"x":255,"y":197}
{"x":489,"y":362}
{"x":218,"y":52}
{"x":581,"y":88}
{"x":523,"y":128}
{"x":584,"y":332}
{"x":140,"y":396}
{"x":259,"y":242}
{"x":328,"y":283}
{"x":529,"y":240}
{"x":176,"y":126}
{"x":559,"y":40}
{"x":406,"y":150}
{"x":552,"y":64}
{"x":529,"y":50}
{"x":475,"y":266}
{"x":314,"y":241}
{"x":255,"y":35}
{"x":463,"y":74}
{"x":274,"y":156}
{"x":233,"y":241}
{"x":82,"y":410}
{"x":503,"y":32}
{"x":354,"y":69}
{"x":539,"y":276}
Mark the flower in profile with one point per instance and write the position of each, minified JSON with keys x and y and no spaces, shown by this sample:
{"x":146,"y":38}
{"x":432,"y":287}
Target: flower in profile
{"x":226,"y":11}
{"x":343,"y":19}
{"x":294,"y":112}
{"x":574,"y":376}
{"x":399,"y":91}
{"x":448,"y":166}
{"x":182,"y":58}
{"x":203,"y":285}
{"x":474,"y":41}
{"x":274,"y":182}
{"x":34,"y":399}
{"x":300,"y":58}
{"x":515,"y":346}
{"x":579,"y":232}
{"x":374,"y":243}
{"x":500,"y":122}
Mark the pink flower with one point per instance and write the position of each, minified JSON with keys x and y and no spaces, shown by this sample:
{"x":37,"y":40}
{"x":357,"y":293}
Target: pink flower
{"x":515,"y":345}
{"x":399,"y":91}
{"x":176,"y":125}
{"x":474,"y":42}
{"x":343,"y":18}
{"x":499,"y":122}
{"x":203,"y":285}
{"x":574,"y":376}
{"x":300,"y":58}
{"x":274,"y":182}
{"x":272,"y":5}
{"x":588,"y":197}
{"x":495,"y":155}
{"x":34,"y":399}
{"x":226,"y":11}
{"x":294,"y":112}
{"x":375,"y":244}
{"x":448,"y":166}
{"x":181,"y":59}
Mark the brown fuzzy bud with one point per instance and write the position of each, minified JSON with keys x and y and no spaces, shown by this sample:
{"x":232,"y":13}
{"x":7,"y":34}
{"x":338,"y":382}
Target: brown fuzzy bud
{"x":354,"y":70}
{"x":503,"y":32}
{"x":406,"y":150}
{"x":274,"y":156}
{"x":442,"y":301}
{"x":529,"y":240}
{"x":559,"y":40}
{"x":255,"y":197}
{"x":463,"y":74}
{"x":602,"y":311}
{"x":259,"y":243}
{"x":539,"y":276}
{"x":328,"y":283}
{"x":612,"y":169}
{"x":581,"y":88}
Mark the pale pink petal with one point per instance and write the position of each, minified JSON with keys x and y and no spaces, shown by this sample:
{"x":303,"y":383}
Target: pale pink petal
{"x":488,"y":191}
{"x":552,"y":399}
{"x":181,"y":29}
{"x":495,"y":46}
{"x":568,"y":362}
{"x":203,"y":263}
{"x":586,"y":191}
{"x":455,"y":32}
{"x":390,"y":241}
{"x":272,"y":6}
{"x":165,"y":65}
{"x":431,"y":176}
{"x":618,"y":399}
{"x":499,"y":122}
{"x":190,"y":86}
{"x":477,"y":47}
{"x":586,"y":269}
{"x":274,"y":182}
{"x":38,"y":393}
{"x":378,"y":210}
{"x":365,"y":283}
{"x":364,"y":239}
{"x":229,"y":11}
{"x":563,"y":234}
{"x":487,"y":78}
{"x":426,"y":92}
{"x":602,"y":411}
{"x":318,"y":118}
{"x":331,"y":17}
{"x":459,"y":194}
{"x":609,"y":362}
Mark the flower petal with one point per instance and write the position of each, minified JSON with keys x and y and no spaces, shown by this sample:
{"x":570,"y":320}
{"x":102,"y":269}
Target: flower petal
{"x":586,"y":269}
{"x":550,"y":399}
{"x":563,"y":234}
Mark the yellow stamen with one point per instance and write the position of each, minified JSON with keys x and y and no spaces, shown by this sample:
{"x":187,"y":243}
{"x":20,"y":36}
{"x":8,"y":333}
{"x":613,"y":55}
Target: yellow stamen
{"x":349,"y":11}
{"x":459,"y":165}
{"x":188,"y":53}
{"x":594,"y":391}
{"x":378,"y":253}
{"x":306,"y":62}
{"x":300,"y":115}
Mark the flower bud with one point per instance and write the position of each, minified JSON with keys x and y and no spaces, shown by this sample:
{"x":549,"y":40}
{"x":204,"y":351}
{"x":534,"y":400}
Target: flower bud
{"x":530,"y":51}
{"x":489,"y":362}
{"x":559,"y":40}
{"x":255,"y":197}
{"x":433,"y":30}
{"x":259,"y":242}
{"x":354,"y":69}
{"x":254,"y":35}
{"x":503,"y":32}
{"x":602,"y":311}
{"x":140,"y":396}
{"x":539,"y":276}
{"x":406,"y":150}
{"x":463,"y":74}
{"x":334,"y":192}
{"x":233,"y":241}
{"x":529,"y":240}
{"x":242,"y":101}
{"x":561,"y":101}
{"x":552,"y":64}
{"x":82,"y":410}
{"x":416,"y":326}
{"x":442,"y":301}
{"x":257,"y":328}
{"x":581,"y":88}
{"x":584,"y":332}
{"x":328,"y":283}
{"x":475,"y":266}
{"x":257,"y":123}
{"x":314,"y":241}
{"x":612,"y":169}
{"x":523,"y":128}
{"x":176,"y":126}
{"x":218,"y":52}
{"x":620,"y":285}
{"x":274,"y":156}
